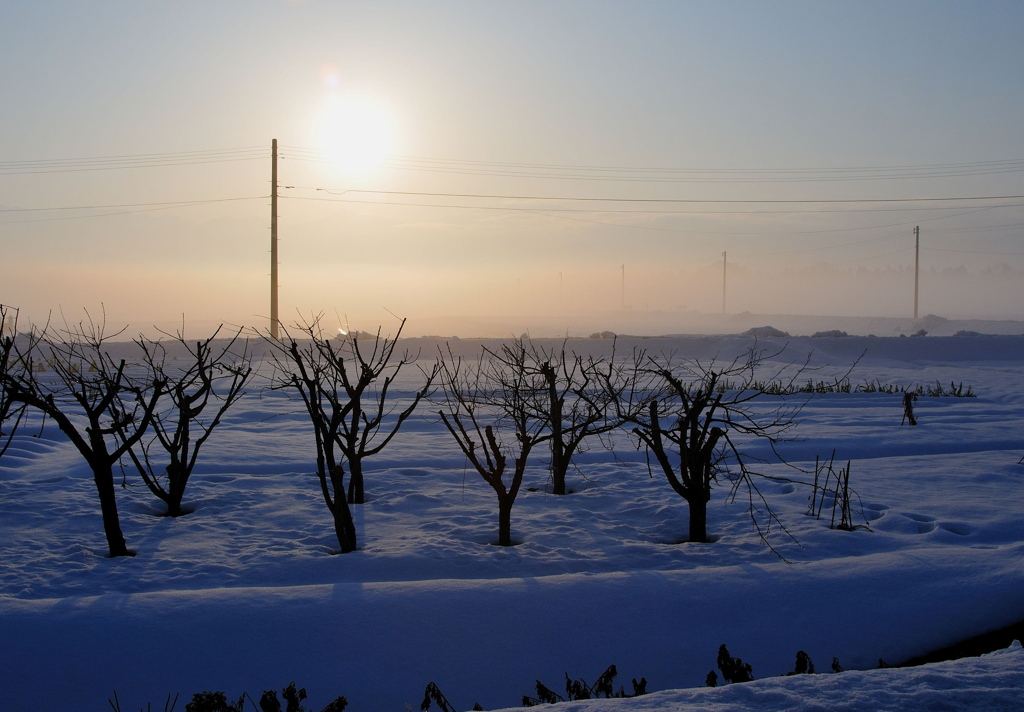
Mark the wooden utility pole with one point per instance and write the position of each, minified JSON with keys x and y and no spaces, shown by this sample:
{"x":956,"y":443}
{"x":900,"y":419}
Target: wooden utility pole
{"x":917,"y":264}
{"x":623,"y":287}
{"x":724,"y":264}
{"x":274,"y":321}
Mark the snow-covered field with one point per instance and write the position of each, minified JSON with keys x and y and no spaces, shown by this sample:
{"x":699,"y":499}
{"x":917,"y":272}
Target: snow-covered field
{"x":245,"y":594}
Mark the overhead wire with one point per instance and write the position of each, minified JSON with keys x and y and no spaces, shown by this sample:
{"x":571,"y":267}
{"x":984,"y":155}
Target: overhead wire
{"x":973,"y":252}
{"x":750,"y":201}
{"x":125,"y":161}
{"x":130,"y":205}
{"x":553,"y":214}
{"x":153,"y":207}
{"x":678,"y":175}
{"x":572,"y":172}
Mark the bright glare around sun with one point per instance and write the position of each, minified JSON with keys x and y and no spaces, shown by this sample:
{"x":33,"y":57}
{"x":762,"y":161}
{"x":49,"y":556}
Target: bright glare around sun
{"x":356,"y":135}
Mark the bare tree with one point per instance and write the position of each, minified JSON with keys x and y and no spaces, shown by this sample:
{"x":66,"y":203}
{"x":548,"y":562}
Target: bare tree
{"x":219,"y":374}
{"x":85,"y":392}
{"x":351,"y":417}
{"x":370,"y":425}
{"x":699,"y":420}
{"x":306,"y":372}
{"x":11,"y":411}
{"x":501,"y":392}
{"x":575,"y":405}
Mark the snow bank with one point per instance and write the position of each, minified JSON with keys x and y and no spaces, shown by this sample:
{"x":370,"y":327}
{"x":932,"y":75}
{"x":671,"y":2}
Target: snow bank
{"x":989,"y":683}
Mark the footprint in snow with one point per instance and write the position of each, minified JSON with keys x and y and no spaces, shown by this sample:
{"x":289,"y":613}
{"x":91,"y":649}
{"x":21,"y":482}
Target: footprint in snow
{"x":923,"y":518}
{"x":958,"y":528}
{"x":923,"y":522}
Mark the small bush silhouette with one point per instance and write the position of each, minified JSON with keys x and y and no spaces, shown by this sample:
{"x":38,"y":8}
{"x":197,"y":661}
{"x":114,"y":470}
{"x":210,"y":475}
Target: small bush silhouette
{"x":804,"y":664}
{"x":578,"y":689}
{"x":213,"y":702}
{"x":733,"y":669}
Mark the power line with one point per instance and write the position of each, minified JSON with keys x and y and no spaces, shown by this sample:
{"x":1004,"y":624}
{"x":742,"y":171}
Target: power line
{"x":935,"y":166}
{"x":128,"y":205}
{"x":528,"y":170}
{"x":1000,"y":164}
{"x":698,"y":179}
{"x":549,"y":213}
{"x":973,"y":252}
{"x":823,"y":249}
{"x":980,"y":228}
{"x":155,"y":207}
{"x":682,"y":175}
{"x":134,"y":156}
{"x":120,"y":162}
{"x":785,"y":201}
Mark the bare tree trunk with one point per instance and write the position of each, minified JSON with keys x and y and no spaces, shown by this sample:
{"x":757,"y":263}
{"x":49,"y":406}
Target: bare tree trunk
{"x":175,"y":491}
{"x":344,"y":527}
{"x":559,"y":462}
{"x":103,"y":475}
{"x":355,"y":481}
{"x":559,"y":468}
{"x":698,"y":507}
{"x":174,"y":509}
{"x":505,"y":520}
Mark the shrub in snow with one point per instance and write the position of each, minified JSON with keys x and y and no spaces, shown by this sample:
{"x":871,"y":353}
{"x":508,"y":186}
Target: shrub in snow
{"x":338,"y":383}
{"x":835,"y":486}
{"x":181,"y":430}
{"x":11,"y":411}
{"x":696,"y":429}
{"x":91,"y":399}
{"x":294,"y":698}
{"x":804,"y":665}
{"x":214,"y":702}
{"x":831,"y":333}
{"x":501,"y":392}
{"x":908,"y":408}
{"x":578,"y":689}
{"x":575,"y":407}
{"x":269,"y":702}
{"x":733,"y":669}
{"x":433,"y":694}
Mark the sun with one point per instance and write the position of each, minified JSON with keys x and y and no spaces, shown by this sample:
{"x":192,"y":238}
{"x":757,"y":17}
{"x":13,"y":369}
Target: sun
{"x":356,"y":134}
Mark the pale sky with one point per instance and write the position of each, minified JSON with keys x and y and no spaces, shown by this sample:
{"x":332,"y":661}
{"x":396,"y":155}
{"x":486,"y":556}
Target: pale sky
{"x":580,"y":100}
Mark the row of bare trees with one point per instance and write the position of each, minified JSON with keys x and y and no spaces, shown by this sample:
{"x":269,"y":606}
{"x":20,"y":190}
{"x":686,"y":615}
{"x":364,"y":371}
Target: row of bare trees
{"x":155,"y":415}
{"x":697,"y":420}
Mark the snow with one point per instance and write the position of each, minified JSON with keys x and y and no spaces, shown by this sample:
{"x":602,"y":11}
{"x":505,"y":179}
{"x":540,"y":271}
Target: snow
{"x":990,"y":682}
{"x":245,"y":594}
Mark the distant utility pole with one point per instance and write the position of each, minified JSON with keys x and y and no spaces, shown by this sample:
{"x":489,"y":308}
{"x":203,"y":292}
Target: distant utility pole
{"x":917,"y":264}
{"x":274,"y":321}
{"x":623,"y":287}
{"x":724,"y":263}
